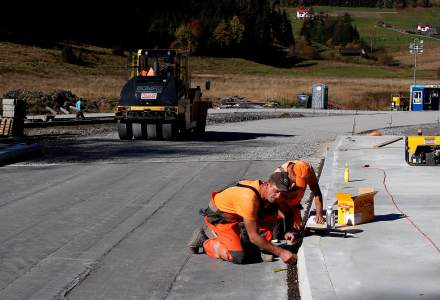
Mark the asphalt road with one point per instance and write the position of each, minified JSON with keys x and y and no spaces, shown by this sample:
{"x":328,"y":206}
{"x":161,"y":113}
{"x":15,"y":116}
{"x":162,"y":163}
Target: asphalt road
{"x":111,"y":219}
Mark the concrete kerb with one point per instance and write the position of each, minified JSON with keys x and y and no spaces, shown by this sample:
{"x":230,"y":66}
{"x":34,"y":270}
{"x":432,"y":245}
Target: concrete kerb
{"x":18,"y":152}
{"x":303,"y":280}
{"x":318,"y":271}
{"x":341,"y":268}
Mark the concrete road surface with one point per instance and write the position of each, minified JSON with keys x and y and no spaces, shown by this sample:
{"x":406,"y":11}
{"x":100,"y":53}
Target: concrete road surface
{"x":395,"y":256}
{"x":106,"y":219}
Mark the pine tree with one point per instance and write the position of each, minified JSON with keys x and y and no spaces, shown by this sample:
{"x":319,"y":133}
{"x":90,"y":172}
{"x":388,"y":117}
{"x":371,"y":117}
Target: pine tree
{"x":287,"y":31}
{"x":236,"y":30}
{"x":222,"y":35}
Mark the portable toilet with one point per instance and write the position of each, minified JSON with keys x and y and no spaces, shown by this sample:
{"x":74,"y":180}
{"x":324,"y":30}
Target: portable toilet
{"x":425,"y":97}
{"x":319,"y":96}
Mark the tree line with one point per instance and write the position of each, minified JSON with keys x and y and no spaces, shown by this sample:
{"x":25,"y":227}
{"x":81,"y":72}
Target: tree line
{"x":246,"y":28}
{"x":364,"y":3}
{"x":332,"y":31}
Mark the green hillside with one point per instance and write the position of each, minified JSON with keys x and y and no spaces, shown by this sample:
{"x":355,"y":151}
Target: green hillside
{"x":366,"y":20}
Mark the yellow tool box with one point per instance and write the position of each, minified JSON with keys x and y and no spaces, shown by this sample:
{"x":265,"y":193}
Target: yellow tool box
{"x":422,"y":150}
{"x":354,"y":210}
{"x":399,"y":102}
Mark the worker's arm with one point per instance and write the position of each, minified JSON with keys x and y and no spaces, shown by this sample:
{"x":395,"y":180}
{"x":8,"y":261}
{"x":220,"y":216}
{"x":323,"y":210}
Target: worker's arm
{"x":251,"y":228}
{"x":317,"y":198}
{"x":286,"y":211}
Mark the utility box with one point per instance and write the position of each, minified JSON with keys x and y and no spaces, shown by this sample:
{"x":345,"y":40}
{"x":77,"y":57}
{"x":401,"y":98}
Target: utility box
{"x":354,"y":210}
{"x":319,"y":96}
{"x":304,"y":100}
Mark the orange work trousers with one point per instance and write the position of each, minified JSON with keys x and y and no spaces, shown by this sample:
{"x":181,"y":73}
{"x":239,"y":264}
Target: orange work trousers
{"x":227,"y":243}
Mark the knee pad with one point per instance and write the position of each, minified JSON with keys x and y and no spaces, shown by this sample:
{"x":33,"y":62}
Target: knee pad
{"x":237,"y":257}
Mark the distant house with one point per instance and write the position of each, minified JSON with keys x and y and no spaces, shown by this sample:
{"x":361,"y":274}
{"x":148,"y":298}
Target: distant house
{"x":352,"y":52}
{"x":423,"y":28}
{"x":303,"y":13}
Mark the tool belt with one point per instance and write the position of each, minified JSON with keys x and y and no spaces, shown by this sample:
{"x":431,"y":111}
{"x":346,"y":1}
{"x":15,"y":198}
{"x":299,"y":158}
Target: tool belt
{"x":215,"y":216}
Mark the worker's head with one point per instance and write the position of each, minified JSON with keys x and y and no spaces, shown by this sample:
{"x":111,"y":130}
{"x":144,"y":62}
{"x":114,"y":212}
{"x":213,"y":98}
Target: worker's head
{"x":278,"y":183}
{"x":298,"y":174}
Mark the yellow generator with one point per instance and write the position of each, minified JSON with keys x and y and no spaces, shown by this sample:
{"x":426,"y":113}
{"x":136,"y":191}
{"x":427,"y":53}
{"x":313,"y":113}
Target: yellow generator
{"x":422,"y":150}
{"x":158,"y":102}
{"x":399,"y":102}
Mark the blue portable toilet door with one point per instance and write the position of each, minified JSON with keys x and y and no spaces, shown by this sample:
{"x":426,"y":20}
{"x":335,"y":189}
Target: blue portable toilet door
{"x":431,"y":99}
{"x":417,"y":99}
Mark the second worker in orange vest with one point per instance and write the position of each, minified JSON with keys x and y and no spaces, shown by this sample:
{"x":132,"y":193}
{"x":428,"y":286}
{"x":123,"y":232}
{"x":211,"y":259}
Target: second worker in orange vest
{"x":301,"y":175}
{"x":246,"y":203}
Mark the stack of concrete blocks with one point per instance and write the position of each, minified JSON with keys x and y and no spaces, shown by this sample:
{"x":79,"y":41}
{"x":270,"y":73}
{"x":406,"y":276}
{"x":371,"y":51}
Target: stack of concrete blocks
{"x":12,"y":121}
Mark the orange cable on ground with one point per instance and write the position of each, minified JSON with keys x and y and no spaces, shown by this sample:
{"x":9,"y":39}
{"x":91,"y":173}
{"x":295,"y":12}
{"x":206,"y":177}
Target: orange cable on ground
{"x":407,"y":217}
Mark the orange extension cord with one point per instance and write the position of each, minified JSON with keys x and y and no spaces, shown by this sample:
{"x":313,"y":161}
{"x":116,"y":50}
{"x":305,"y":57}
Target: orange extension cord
{"x":397,"y":207}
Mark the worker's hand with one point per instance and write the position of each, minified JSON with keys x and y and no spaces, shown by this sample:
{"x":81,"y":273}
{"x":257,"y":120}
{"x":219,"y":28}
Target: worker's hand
{"x":289,"y":236}
{"x":319,"y":219}
{"x":288,"y":257}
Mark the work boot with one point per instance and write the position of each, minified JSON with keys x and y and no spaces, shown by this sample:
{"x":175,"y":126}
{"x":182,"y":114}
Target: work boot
{"x":197,"y":240}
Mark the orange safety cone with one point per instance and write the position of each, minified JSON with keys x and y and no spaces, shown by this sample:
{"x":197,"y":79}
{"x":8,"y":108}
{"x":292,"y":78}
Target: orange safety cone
{"x":374,"y":133}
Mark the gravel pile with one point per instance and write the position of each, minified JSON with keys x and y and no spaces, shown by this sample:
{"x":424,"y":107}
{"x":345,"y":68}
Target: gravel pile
{"x":248,"y":116}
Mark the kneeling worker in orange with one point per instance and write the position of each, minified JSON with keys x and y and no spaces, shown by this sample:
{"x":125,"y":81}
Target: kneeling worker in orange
{"x":246,"y":203}
{"x":301,"y":175}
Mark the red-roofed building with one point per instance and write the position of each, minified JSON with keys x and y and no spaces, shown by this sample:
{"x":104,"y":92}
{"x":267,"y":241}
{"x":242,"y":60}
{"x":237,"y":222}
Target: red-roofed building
{"x":427,"y":29}
{"x":423,"y":27}
{"x":303,"y":12}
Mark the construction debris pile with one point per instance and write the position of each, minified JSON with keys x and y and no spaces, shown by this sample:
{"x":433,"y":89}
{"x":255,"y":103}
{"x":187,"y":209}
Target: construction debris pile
{"x":60,"y":101}
{"x":36,"y":101}
{"x":241,"y":102}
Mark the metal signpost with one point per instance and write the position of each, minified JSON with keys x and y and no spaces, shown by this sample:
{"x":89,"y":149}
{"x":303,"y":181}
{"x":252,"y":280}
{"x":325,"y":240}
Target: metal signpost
{"x":416,"y":47}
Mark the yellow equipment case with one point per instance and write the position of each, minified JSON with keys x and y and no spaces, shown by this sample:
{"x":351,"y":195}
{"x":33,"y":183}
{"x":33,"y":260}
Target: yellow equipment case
{"x":399,"y":102}
{"x":422,"y":150}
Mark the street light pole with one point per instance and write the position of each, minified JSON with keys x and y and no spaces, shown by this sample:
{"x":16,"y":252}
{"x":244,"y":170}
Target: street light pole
{"x":415,"y":47}
{"x":415,"y":67}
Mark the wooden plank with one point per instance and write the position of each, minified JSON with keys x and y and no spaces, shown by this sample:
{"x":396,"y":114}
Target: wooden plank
{"x":6,"y":126}
{"x":387,"y":142}
{"x":9,"y":101}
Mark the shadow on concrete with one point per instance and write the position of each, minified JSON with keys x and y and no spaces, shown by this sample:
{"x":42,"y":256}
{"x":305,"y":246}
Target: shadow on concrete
{"x":219,"y":136}
{"x":354,"y":180}
{"x":342,"y":232}
{"x":74,"y":148}
{"x":388,"y":217}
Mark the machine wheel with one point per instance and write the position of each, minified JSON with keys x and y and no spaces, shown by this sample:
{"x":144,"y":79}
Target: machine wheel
{"x":139,"y":131}
{"x":200,"y":129}
{"x":125,"y":131}
{"x":167,"y":131}
{"x":151,"y":131}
